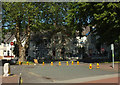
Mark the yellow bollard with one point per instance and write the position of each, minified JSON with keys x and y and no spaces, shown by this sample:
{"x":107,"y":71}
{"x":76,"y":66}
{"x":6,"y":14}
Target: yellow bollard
{"x":98,"y":65}
{"x":9,"y":70}
{"x":90,"y":66}
{"x":43,"y":63}
{"x":77,"y":62}
{"x":27,"y":63}
{"x":20,"y":79}
{"x":67,"y":63}
{"x":72,"y":63}
{"x":59,"y":63}
{"x":51,"y":63}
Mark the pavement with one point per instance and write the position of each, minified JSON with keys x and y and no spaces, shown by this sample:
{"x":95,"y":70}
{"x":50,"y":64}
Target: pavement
{"x":64,"y":74}
{"x":10,"y":79}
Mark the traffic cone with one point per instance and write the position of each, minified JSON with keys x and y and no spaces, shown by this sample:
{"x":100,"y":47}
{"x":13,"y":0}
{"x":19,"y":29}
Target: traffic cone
{"x":90,"y":66}
{"x":59,"y":63}
{"x":51,"y":63}
{"x":72,"y":63}
{"x":27,"y":63}
{"x":43,"y":63}
{"x":77,"y":62}
{"x":98,"y":65}
{"x":67,"y":63}
{"x":19,"y":62}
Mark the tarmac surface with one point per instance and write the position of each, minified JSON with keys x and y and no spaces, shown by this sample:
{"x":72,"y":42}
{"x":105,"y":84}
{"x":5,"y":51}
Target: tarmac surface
{"x":64,"y":74}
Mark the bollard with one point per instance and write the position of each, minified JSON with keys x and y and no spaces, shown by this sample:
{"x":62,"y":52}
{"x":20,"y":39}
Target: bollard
{"x":43,"y":63}
{"x":6,"y":69}
{"x":98,"y":65}
{"x":72,"y":63}
{"x":51,"y":63}
{"x":90,"y":66}
{"x":77,"y":62}
{"x":67,"y":63}
{"x":20,"y":81}
{"x":59,"y":63}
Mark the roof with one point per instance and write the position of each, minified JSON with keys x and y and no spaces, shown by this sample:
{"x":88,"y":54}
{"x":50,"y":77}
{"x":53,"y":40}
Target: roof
{"x":10,"y":37}
{"x":86,"y":30}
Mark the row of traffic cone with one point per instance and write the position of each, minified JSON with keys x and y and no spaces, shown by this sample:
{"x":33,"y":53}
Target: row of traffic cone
{"x":20,"y":63}
{"x":60,"y":63}
{"x":90,"y":66}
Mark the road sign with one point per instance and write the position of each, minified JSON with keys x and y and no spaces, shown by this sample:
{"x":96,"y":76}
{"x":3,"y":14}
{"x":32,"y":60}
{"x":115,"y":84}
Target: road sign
{"x":11,"y":43}
{"x":102,"y":49}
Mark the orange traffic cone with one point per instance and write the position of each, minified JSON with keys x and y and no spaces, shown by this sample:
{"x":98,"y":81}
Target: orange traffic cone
{"x":27,"y":63}
{"x":19,"y":62}
{"x":77,"y":62}
{"x":98,"y":65}
{"x":51,"y":63}
{"x":72,"y":63}
{"x":67,"y":63}
{"x":90,"y":66}
{"x":43,"y":63}
{"x":59,"y":63}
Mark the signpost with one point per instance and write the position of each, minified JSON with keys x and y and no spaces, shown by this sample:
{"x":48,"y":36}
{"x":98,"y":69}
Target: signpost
{"x":112,"y":48}
{"x":12,"y":43}
{"x":102,"y":49}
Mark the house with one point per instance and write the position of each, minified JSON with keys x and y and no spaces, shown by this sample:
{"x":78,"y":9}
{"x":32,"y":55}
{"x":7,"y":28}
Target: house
{"x":6,"y":49}
{"x":90,"y":42}
{"x":52,"y":44}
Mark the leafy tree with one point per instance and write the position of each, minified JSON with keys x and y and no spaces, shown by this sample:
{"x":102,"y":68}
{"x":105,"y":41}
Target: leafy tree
{"x":104,"y":15}
{"x":107,"y":20}
{"x":25,"y":16}
{"x":19,"y":16}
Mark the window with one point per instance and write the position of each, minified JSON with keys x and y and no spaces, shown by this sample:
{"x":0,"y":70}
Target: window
{"x":4,"y":45}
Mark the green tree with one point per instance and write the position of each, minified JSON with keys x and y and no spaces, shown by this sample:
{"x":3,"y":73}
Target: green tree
{"x":104,"y":15}
{"x":20,"y":17}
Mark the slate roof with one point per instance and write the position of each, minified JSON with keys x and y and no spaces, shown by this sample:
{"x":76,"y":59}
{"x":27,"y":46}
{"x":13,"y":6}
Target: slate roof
{"x":10,"y":37}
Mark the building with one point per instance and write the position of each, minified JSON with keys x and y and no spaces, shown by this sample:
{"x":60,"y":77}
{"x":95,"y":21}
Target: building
{"x":52,"y":44}
{"x":6,"y":49}
{"x":90,"y":42}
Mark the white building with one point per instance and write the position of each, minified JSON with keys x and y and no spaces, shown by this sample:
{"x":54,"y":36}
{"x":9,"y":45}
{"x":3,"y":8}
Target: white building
{"x":6,"y":49}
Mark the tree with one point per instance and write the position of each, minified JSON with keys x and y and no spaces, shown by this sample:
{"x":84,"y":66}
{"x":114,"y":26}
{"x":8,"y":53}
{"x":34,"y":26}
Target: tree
{"x":19,"y":16}
{"x":78,"y":15}
{"x":104,"y":15}
{"x":24,"y":17}
{"x":107,"y":20}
